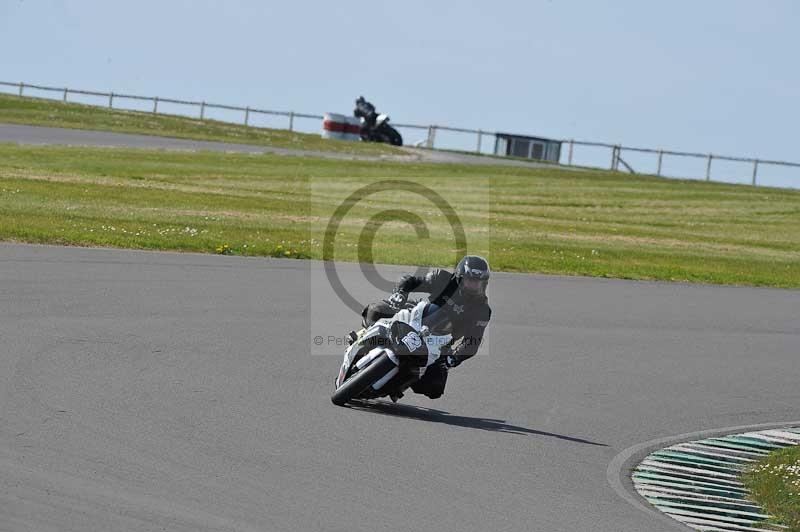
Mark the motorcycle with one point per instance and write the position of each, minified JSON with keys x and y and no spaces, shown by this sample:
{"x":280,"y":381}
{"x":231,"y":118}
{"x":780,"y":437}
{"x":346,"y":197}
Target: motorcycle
{"x":392,"y":354}
{"x":381,"y":131}
{"x":375,"y":127}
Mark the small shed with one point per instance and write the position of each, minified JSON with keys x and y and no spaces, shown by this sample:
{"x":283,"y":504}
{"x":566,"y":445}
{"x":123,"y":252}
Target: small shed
{"x":527,"y":147}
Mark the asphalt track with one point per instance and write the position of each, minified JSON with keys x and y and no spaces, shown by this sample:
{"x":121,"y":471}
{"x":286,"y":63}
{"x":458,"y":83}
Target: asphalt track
{"x":164,"y":391}
{"x":39,"y":135}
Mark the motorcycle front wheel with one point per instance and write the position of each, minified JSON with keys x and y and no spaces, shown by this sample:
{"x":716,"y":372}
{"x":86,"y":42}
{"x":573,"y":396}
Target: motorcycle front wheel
{"x":361,"y":380}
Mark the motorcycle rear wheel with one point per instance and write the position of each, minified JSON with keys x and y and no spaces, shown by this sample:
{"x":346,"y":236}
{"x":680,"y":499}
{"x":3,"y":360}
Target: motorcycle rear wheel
{"x":360,"y":381}
{"x":393,"y":137}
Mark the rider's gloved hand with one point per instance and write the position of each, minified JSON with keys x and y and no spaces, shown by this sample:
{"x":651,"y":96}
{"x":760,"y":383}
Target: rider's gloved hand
{"x":445,"y":362}
{"x":397,"y":300}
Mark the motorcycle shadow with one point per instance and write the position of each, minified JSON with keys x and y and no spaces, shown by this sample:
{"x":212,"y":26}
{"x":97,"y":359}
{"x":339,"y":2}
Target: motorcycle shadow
{"x":432,"y":415}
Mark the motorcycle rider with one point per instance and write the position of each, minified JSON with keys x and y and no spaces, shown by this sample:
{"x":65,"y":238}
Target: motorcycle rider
{"x":365,"y":110}
{"x":462,"y":296}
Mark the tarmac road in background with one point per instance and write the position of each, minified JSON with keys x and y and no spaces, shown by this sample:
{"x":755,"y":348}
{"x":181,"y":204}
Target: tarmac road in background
{"x":38,"y":135}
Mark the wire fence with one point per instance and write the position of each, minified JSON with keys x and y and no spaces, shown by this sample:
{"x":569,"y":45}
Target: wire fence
{"x":112,"y":97}
{"x":593,"y":154}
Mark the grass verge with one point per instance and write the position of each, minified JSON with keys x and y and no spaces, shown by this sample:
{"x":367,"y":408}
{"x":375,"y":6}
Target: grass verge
{"x":527,"y":220}
{"x":774,"y":484}
{"x":42,"y":112}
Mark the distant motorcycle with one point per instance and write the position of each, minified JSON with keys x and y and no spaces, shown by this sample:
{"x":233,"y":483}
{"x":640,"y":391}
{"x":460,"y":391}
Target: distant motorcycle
{"x":375,"y":127}
{"x":392,"y":354}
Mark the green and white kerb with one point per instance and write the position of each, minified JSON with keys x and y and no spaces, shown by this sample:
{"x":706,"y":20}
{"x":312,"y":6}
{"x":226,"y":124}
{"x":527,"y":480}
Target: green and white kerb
{"x":698,"y":483}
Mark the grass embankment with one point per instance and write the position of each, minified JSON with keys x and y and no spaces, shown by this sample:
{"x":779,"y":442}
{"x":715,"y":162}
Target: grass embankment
{"x":41,"y":112}
{"x":531,"y":220}
{"x":774,"y":484}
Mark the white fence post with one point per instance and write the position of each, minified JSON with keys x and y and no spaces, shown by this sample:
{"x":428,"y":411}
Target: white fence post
{"x":155,"y":105}
{"x":660,"y":157}
{"x":480,"y":137}
{"x":21,"y":88}
{"x":431,"y":142}
{"x":202,"y":110}
{"x":708,"y":167}
{"x":755,"y":171}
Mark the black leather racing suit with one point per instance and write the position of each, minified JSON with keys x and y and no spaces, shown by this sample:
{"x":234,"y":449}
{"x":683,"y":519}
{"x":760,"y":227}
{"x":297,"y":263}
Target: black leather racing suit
{"x":469,"y":316}
{"x":365,"y":110}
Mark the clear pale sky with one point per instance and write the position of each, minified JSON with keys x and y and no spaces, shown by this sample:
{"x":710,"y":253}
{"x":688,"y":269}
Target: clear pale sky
{"x":720,"y":76}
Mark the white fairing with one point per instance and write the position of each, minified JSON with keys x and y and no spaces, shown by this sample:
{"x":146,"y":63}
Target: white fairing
{"x":412,"y":317}
{"x":381,"y":119}
{"x":369,"y":357}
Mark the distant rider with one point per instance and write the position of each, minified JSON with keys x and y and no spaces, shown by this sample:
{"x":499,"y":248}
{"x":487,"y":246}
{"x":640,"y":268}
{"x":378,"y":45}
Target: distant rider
{"x":462,"y":295}
{"x":365,"y":110}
